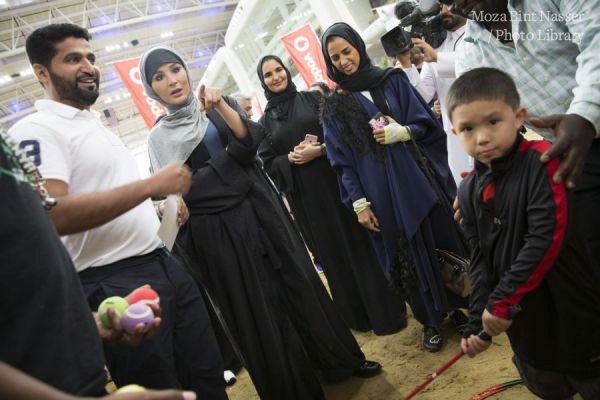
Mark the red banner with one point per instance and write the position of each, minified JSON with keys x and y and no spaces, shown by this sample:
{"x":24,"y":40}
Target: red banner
{"x":149,"y":108}
{"x":305,"y":51}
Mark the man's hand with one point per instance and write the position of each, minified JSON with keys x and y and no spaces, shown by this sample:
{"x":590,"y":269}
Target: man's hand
{"x":404,"y":59}
{"x":368,"y":219}
{"x":116,"y":334}
{"x":574,"y":138}
{"x":209,"y":98}
{"x":429,"y":52}
{"x":172,"y":179}
{"x":493,"y":325}
{"x":182,"y":211}
{"x":474,"y":345}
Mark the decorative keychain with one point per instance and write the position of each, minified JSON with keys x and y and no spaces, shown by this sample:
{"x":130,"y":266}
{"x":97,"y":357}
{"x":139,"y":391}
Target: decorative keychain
{"x":31,"y":172}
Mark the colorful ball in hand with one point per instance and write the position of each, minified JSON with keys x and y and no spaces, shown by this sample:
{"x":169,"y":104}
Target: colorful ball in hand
{"x":135,"y":314}
{"x":117,"y":303}
{"x":144,"y":295}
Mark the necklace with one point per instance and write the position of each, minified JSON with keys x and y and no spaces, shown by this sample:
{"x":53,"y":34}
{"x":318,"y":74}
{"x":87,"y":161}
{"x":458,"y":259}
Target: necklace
{"x":31,"y":172}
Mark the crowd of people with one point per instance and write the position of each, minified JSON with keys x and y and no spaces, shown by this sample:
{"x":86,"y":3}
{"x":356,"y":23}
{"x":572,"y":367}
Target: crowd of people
{"x":363,"y":175}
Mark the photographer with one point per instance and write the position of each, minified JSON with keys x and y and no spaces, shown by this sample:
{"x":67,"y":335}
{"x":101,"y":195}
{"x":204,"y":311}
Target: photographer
{"x":436,"y":76}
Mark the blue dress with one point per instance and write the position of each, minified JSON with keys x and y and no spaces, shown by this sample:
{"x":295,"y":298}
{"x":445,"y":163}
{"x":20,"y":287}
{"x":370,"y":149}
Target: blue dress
{"x":401,"y":196}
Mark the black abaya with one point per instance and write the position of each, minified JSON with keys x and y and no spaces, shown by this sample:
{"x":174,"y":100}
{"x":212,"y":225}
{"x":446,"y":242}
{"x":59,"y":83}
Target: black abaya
{"x":253,"y":263}
{"x":358,"y":286}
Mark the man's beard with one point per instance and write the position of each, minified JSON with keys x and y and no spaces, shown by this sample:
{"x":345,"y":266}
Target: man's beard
{"x":69,"y":90}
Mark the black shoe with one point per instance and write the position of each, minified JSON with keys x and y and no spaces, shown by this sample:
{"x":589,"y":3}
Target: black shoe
{"x":459,"y":320}
{"x":367,"y":369}
{"x":432,"y":340}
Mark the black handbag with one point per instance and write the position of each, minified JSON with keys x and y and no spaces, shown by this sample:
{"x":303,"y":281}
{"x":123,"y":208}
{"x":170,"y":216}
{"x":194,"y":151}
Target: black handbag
{"x":455,"y":273}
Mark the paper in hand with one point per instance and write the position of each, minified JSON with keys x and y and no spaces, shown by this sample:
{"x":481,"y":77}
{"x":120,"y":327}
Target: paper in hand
{"x":167,"y":232}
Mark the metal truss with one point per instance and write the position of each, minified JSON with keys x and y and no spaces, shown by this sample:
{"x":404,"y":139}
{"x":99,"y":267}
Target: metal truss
{"x":98,"y":16}
{"x":130,"y":17}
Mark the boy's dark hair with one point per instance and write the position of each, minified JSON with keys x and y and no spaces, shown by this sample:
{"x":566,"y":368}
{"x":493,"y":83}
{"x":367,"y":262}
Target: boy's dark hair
{"x":40,"y":44}
{"x":482,"y":84}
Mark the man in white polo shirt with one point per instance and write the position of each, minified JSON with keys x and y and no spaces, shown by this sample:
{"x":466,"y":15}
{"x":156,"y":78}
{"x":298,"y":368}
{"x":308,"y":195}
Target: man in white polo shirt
{"x":107,"y":221}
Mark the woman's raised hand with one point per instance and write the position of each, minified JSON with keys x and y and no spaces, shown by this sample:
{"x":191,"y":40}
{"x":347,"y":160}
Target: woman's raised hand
{"x":209,"y":98}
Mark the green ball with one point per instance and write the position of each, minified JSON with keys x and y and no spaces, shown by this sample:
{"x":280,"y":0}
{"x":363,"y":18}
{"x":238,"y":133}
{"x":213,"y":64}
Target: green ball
{"x":131,"y":389}
{"x":117,"y":303}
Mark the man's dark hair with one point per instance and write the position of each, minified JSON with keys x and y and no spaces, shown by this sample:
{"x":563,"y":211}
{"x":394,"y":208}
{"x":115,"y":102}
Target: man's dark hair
{"x":40,"y":44}
{"x":482,"y":84}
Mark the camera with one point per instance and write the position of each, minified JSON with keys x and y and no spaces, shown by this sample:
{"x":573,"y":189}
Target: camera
{"x":396,"y":41}
{"x":423,"y":19}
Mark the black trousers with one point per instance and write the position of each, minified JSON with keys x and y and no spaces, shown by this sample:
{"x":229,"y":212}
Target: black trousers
{"x":587,"y":204}
{"x":184,"y":352}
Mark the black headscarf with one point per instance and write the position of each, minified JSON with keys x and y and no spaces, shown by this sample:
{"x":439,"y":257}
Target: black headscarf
{"x":273,"y":98}
{"x":367,"y":76}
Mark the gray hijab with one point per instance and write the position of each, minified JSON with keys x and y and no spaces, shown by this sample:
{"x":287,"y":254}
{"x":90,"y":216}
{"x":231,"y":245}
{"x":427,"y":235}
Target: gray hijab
{"x":176,"y":135}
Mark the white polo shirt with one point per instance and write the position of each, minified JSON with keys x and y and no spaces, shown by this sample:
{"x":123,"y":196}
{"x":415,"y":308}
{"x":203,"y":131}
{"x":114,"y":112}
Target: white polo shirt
{"x":73,"y":146}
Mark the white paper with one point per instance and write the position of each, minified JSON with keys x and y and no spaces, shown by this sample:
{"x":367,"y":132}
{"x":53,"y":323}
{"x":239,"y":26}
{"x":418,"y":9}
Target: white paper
{"x":167,"y":232}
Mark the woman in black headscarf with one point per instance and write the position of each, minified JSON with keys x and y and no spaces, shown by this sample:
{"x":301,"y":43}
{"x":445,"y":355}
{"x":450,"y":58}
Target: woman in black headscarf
{"x":381,"y":177}
{"x":301,"y":171}
{"x":242,"y":242}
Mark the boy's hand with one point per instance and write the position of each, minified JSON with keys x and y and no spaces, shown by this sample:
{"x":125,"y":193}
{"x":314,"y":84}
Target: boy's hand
{"x":474,"y":345}
{"x":493,"y":325}
{"x":457,"y":212}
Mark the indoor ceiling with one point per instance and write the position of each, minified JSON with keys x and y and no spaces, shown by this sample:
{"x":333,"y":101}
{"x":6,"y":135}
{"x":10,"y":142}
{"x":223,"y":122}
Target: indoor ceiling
{"x":121,"y":29}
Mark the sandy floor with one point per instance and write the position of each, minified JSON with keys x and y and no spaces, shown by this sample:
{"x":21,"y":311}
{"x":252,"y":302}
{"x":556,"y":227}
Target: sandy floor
{"x":405,"y":366}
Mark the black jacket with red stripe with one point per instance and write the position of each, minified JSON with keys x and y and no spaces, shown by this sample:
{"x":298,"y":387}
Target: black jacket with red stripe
{"x":527,"y":264}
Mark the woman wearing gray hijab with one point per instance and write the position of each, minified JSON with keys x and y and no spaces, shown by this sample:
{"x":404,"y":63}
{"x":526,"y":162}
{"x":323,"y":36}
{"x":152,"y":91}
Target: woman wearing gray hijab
{"x":243,"y":243}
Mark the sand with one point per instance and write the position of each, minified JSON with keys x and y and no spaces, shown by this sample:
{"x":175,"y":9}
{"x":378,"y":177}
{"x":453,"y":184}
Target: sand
{"x":406,"y":365}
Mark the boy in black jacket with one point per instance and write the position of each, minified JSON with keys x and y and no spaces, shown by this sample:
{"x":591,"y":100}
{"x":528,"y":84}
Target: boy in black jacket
{"x":530,"y":275}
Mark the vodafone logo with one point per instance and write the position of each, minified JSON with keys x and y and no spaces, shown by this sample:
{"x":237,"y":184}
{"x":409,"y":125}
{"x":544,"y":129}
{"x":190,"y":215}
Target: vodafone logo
{"x":301,"y":43}
{"x":134,"y":75}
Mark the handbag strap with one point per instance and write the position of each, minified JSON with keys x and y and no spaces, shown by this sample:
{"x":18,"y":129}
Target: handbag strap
{"x":381,"y":102}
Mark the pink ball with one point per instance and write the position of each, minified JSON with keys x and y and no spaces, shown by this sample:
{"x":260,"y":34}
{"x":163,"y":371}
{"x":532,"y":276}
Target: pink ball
{"x":135,"y":314}
{"x":144,"y":295}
